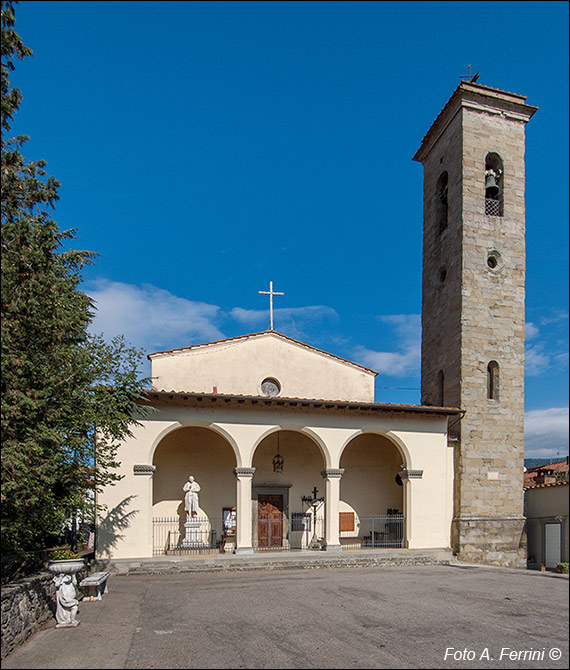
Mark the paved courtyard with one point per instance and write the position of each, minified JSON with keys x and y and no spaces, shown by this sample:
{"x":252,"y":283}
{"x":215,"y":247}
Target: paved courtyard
{"x":390,"y":617}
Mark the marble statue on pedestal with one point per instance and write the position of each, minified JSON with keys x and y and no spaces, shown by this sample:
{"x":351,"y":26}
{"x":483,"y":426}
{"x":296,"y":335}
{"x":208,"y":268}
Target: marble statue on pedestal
{"x":191,"y":503}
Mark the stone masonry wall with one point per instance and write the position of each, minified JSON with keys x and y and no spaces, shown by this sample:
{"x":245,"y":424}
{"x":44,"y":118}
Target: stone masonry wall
{"x":473,"y":314}
{"x":499,"y":542}
{"x":441,"y":300}
{"x":493,"y":318}
{"x":26,"y":604}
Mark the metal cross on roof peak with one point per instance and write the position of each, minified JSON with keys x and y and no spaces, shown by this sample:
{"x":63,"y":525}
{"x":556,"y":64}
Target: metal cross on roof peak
{"x":271,"y":293}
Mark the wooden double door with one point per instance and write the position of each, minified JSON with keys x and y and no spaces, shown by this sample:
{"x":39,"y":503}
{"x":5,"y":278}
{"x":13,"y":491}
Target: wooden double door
{"x":270,"y":521}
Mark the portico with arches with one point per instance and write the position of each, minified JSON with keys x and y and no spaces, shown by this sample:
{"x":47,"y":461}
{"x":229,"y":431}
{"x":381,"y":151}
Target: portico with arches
{"x":309,"y":462}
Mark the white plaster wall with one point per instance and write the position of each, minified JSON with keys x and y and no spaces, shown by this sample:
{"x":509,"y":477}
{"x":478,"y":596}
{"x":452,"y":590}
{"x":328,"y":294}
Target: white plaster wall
{"x":543,"y":505}
{"x":429,"y":504}
{"x":371,"y":463}
{"x":547,"y":501}
{"x":125,"y":531}
{"x":206,"y":456}
{"x":239,"y":367}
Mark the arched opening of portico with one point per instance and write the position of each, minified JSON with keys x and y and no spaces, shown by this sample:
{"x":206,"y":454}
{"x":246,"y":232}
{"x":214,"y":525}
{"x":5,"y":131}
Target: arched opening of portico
{"x":371,"y":505}
{"x":209,"y":458}
{"x":288,"y":467}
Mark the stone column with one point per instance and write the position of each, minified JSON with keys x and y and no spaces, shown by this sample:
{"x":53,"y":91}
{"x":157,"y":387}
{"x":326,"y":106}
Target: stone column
{"x":332,"y":499}
{"x":244,"y":478}
{"x":143,"y":521}
{"x":409,"y":516}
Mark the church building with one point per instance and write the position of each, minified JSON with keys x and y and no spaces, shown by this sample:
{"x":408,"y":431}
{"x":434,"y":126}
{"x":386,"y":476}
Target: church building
{"x":261,"y":442}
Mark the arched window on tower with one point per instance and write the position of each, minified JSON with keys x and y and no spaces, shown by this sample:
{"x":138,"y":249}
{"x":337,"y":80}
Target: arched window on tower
{"x":441,"y":201}
{"x":440,"y":388}
{"x":493,"y":380}
{"x":494,"y":180}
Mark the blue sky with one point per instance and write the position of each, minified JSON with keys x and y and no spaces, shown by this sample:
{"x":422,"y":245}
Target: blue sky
{"x":206,"y":148}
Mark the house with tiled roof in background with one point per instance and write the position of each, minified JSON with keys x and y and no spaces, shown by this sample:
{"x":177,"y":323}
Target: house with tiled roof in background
{"x":546,"y":509}
{"x":547,"y":473}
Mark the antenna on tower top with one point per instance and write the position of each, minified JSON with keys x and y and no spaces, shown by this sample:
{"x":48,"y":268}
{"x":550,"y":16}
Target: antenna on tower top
{"x":470,"y":77}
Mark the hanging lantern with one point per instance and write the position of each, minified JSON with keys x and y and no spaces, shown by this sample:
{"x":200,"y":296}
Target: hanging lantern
{"x":278,"y":459}
{"x":278,"y":463}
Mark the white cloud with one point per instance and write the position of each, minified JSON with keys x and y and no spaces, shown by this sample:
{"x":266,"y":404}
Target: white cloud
{"x":546,"y":432}
{"x":546,"y":349}
{"x":562,"y":359}
{"x":559,"y":316}
{"x":531,"y":331}
{"x":536,"y":361}
{"x":150,"y":317}
{"x":155,"y":319}
{"x":309,"y":313}
{"x":292,"y":321}
{"x":403,"y":362}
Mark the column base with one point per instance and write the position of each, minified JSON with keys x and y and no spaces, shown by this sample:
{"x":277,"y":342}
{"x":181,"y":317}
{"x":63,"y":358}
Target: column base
{"x":244,"y":550}
{"x":333,"y":549}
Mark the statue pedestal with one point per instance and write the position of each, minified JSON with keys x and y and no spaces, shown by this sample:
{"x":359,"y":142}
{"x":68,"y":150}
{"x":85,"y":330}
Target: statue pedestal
{"x":192,"y":534}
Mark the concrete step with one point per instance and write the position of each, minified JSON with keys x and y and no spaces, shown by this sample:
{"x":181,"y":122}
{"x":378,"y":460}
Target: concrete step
{"x":309,"y":560}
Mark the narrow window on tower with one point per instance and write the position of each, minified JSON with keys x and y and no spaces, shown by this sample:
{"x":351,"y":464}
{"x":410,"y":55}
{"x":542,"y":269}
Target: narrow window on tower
{"x":440,"y":388}
{"x":441,"y":201}
{"x":493,"y":380}
{"x":494,"y":181}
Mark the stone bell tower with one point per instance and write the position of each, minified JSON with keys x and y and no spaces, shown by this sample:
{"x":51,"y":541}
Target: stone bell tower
{"x":473,"y":310}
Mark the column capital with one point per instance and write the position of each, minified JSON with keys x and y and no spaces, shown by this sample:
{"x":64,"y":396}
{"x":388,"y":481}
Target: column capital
{"x":244,"y":472}
{"x":332,"y":473}
{"x":411,"y":474}
{"x":144,"y":469}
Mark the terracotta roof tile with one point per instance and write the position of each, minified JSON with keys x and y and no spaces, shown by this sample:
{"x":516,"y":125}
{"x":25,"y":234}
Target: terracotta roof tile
{"x":542,"y":486}
{"x":327,"y":403}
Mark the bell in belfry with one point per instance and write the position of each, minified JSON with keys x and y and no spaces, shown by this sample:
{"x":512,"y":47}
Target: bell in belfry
{"x":491,"y":187}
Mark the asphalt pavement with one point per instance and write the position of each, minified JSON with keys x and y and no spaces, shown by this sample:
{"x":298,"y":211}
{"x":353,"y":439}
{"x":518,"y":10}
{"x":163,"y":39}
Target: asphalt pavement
{"x":454,"y":616}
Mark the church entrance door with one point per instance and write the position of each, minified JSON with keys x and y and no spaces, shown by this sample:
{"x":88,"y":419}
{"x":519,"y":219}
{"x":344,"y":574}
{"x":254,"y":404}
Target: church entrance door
{"x":270,"y":521}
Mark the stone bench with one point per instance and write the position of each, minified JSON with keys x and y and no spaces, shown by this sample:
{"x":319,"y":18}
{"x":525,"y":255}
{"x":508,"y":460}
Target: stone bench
{"x":95,"y":585}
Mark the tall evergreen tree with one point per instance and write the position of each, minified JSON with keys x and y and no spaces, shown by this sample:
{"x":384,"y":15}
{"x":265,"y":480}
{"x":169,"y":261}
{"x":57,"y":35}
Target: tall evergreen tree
{"x":67,"y":397}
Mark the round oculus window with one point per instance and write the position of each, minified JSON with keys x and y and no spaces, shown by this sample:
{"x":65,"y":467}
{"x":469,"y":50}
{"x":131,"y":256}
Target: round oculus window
{"x":270,"y":387}
{"x":494,"y":260}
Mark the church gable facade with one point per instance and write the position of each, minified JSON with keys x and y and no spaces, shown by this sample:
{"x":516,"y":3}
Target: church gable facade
{"x":262,"y":364}
{"x":212,"y":472}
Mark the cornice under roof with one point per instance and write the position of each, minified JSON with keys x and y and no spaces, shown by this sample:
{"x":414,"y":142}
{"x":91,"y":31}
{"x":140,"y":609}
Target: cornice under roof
{"x":210,"y":399}
{"x":464,"y":92}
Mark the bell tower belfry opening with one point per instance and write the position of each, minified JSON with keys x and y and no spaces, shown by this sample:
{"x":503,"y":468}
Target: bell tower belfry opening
{"x":473,"y":293}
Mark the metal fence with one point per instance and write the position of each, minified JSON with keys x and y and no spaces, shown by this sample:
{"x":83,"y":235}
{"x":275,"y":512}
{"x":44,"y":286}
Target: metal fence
{"x":281,"y":532}
{"x":493,"y":207}
{"x":200,"y":535}
{"x":275,"y":532}
{"x":376,"y":531}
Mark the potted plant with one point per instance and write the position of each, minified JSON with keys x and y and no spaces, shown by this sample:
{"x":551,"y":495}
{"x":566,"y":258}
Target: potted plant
{"x":65,"y":562}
